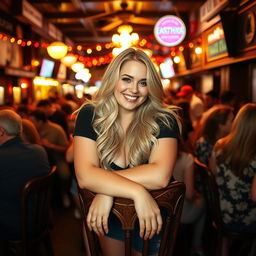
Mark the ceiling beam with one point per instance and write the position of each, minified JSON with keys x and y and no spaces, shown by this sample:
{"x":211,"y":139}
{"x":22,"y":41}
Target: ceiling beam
{"x":78,"y":4}
{"x":79,"y":14}
{"x":49,"y":1}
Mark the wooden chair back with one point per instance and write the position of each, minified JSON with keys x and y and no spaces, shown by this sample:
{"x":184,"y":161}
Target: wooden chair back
{"x":210,"y":191}
{"x":35,"y":214}
{"x":171,"y":198}
{"x":211,"y":194}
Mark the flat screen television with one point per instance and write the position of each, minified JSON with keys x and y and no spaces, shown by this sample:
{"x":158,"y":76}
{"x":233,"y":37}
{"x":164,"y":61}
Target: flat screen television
{"x":230,"y":24}
{"x":166,"y":68}
{"x":47,"y":68}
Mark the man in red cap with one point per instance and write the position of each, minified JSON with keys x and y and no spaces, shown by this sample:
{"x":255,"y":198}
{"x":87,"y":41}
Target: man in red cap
{"x":196,"y":104}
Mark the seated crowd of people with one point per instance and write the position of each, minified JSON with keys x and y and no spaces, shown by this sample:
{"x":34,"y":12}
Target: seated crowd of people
{"x":215,"y":131}
{"x":221,"y":135}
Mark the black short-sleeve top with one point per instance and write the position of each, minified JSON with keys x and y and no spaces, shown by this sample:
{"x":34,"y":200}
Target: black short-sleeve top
{"x":84,"y":127}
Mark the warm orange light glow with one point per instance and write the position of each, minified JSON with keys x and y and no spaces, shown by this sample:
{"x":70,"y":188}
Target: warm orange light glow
{"x":176,"y":59}
{"x":198,"y":50}
{"x":35,"y":63}
{"x":77,"y":66}
{"x":23,"y":85}
{"x":79,"y":47}
{"x":98,"y":47}
{"x":69,"y":59}
{"x":57,"y":50}
{"x":191,"y":45}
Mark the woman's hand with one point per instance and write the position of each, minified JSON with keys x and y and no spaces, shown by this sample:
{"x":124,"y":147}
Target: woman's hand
{"x":97,"y":218}
{"x":149,"y":215}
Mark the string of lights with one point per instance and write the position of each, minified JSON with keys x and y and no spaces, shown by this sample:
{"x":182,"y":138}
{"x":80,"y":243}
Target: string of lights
{"x":84,"y":53}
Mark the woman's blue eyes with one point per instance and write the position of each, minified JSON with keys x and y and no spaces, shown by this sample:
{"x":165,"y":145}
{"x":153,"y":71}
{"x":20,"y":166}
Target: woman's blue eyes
{"x":129,"y":80}
{"x":143,"y":83}
{"x":126,"y":79}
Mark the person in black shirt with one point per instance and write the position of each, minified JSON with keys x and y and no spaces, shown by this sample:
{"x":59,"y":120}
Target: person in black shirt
{"x":19,"y":163}
{"x":125,"y":143}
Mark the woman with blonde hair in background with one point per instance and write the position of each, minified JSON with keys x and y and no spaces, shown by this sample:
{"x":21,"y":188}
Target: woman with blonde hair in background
{"x":125,"y":143}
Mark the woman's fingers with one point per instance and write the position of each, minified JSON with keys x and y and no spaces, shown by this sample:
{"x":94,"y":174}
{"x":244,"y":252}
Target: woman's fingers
{"x":159,"y":223}
{"x":99,"y":226}
{"x":105,"y":223}
{"x":154,"y":225}
{"x":95,"y":228}
{"x":142,"y":227}
{"x":150,"y":224}
{"x":97,"y":217}
{"x":88,"y":221}
{"x":148,"y":229}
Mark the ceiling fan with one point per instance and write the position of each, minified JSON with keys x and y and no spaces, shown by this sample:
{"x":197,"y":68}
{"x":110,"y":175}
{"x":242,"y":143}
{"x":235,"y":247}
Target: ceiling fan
{"x":120,"y":17}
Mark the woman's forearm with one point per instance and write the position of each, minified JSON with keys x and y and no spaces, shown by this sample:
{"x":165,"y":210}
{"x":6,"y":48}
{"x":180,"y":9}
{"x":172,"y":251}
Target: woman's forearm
{"x":148,"y":175}
{"x":107,"y":182}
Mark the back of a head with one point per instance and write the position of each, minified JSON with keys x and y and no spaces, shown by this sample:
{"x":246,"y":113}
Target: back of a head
{"x":238,"y":148}
{"x":44,"y":103}
{"x":213,"y":94}
{"x":39,"y":115}
{"x":228,"y":98}
{"x":69,"y":96}
{"x":67,"y":108}
{"x":10,"y":122}
{"x":218,"y":116}
{"x":244,"y":125}
{"x":29,"y":132}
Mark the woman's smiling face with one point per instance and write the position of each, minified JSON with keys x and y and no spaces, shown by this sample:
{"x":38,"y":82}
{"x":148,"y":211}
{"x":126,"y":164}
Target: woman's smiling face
{"x":131,"y":89}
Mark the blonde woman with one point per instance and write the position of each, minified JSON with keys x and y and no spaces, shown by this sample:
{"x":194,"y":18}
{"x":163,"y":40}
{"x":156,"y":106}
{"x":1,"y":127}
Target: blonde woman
{"x":126,"y":144}
{"x":234,"y":162}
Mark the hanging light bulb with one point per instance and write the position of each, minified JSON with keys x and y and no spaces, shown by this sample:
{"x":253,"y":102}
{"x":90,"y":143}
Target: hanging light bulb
{"x":176,"y":59}
{"x":77,"y":66}
{"x":69,"y":59}
{"x":135,"y":37}
{"x":115,"y":38}
{"x":125,"y":39}
{"x":198,"y":50}
{"x":83,"y":75}
{"x":57,"y":50}
{"x":124,"y":29}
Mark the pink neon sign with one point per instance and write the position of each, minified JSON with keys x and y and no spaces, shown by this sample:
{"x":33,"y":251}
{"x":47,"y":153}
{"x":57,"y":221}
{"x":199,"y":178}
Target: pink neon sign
{"x":170,"y":30}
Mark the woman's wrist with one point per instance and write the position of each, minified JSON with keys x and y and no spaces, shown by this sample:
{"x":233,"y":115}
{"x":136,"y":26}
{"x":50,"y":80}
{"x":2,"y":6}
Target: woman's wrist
{"x":137,"y":191}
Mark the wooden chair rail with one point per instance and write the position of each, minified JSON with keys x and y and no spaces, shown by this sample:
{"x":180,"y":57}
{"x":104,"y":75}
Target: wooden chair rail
{"x":171,"y":198}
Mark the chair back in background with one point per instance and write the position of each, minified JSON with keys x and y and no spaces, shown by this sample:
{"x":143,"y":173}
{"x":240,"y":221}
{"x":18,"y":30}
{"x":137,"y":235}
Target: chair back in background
{"x":171,"y":198}
{"x":35,"y":207}
{"x":211,"y":194}
{"x":210,"y":191}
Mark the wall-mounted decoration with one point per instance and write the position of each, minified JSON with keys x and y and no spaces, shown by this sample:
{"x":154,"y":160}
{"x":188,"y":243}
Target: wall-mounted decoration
{"x":249,"y":27}
{"x":215,"y":42}
{"x":170,"y":30}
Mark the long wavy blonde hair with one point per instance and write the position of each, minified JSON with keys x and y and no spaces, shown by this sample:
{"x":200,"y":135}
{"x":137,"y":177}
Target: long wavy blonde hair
{"x":141,"y":132}
{"x":238,"y":148}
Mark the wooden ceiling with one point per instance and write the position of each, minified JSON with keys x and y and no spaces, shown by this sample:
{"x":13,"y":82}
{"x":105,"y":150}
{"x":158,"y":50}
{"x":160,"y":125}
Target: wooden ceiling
{"x":95,"y":21}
